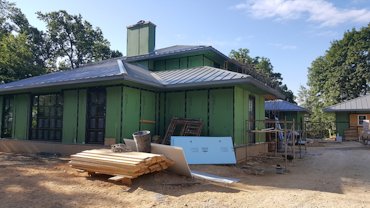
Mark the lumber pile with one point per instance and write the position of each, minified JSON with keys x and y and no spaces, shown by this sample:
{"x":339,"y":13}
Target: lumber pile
{"x":124,"y":166}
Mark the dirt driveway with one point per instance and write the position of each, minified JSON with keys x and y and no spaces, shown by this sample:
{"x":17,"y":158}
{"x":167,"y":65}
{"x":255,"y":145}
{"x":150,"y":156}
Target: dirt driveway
{"x":335,"y":175}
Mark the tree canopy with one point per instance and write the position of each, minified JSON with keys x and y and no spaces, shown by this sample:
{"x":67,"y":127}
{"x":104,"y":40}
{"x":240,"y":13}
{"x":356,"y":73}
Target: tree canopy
{"x":343,"y":73}
{"x":74,"y":40}
{"x":263,"y":67}
{"x":26,"y":51}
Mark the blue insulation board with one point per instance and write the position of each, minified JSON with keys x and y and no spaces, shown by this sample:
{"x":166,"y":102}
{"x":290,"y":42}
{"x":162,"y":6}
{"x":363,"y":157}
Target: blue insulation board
{"x":206,"y":150}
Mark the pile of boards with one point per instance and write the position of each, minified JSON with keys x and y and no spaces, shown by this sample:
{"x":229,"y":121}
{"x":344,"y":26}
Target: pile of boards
{"x":124,"y":166}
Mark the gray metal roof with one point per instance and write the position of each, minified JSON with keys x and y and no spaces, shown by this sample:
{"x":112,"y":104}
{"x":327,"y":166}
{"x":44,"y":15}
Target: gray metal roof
{"x":112,"y":69}
{"x":282,"y":105}
{"x":197,"y":75}
{"x":174,"y":50}
{"x":358,"y":104}
{"x":207,"y":76}
{"x":116,"y":69}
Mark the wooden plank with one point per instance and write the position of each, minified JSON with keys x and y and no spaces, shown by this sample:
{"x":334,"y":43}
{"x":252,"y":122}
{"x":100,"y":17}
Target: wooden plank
{"x":111,"y":157}
{"x":175,"y":154}
{"x":126,"y":163}
{"x":108,"y":169}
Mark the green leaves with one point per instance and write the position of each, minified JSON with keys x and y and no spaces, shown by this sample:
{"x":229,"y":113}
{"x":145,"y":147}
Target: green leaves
{"x":264,"y":70}
{"x":74,"y":40}
{"x":343,"y":73}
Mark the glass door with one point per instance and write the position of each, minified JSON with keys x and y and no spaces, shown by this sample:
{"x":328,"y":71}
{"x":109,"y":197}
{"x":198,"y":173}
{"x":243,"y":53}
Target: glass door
{"x":95,"y":123}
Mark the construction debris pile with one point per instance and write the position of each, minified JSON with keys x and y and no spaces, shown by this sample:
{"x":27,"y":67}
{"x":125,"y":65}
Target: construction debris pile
{"x":125,"y":166}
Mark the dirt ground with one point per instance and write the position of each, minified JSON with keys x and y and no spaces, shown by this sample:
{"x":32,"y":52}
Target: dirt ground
{"x":333,"y":175}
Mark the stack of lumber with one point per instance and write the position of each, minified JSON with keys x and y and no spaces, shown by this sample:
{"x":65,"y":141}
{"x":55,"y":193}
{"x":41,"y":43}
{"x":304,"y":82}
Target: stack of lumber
{"x":123,"y":165}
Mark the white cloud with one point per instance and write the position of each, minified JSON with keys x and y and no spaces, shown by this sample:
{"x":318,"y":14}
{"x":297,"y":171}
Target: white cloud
{"x":318,"y":11}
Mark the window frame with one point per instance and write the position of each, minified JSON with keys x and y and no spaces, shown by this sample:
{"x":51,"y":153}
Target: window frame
{"x":46,"y":117}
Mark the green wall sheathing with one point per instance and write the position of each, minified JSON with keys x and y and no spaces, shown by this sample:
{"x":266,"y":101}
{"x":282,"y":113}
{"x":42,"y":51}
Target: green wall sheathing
{"x":197,"y":107}
{"x":140,"y":39}
{"x":207,"y":62}
{"x":148,"y":110}
{"x":130,"y":111}
{"x":342,"y":122}
{"x":162,"y":113}
{"x":184,"y":63}
{"x":113,"y":113}
{"x":22,"y":104}
{"x":195,"y":61}
{"x":175,"y":106}
{"x":144,"y":40}
{"x":1,"y":113}
{"x":221,"y":112}
{"x":240,"y":116}
{"x":160,"y":65}
{"x":82,"y":103}
{"x":132,"y":42}
{"x":70,"y":103}
{"x":172,"y":64}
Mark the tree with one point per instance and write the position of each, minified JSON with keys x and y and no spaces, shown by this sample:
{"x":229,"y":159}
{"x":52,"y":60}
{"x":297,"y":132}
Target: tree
{"x":74,"y":40}
{"x":21,"y":45}
{"x":16,"y":59}
{"x":343,"y":73}
{"x":263,"y":67}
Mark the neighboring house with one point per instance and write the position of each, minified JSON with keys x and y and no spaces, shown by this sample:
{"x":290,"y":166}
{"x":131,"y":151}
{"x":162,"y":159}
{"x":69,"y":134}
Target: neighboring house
{"x":285,"y":110}
{"x":349,"y":116}
{"x":144,"y":90}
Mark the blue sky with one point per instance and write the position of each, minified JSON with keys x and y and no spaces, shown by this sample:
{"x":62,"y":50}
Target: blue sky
{"x":292,"y":33}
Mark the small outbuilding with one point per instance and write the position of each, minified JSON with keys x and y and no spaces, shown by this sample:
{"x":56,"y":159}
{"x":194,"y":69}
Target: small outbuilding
{"x":349,"y":116}
{"x":284,"y":110}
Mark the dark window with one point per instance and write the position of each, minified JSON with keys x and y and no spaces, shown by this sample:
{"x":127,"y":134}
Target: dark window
{"x":47,"y":117}
{"x":95,"y":123}
{"x":7,"y":119}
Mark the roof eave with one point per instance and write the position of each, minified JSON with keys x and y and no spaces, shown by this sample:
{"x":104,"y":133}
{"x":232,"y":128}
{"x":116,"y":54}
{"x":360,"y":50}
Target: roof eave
{"x":57,"y":84}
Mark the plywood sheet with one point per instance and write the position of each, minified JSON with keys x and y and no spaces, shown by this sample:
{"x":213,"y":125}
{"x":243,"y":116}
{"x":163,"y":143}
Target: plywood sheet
{"x":175,"y":154}
{"x":206,"y":150}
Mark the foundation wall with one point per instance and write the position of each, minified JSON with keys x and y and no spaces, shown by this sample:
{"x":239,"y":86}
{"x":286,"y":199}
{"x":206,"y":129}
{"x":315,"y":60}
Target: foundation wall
{"x":26,"y":146}
{"x":242,"y":153}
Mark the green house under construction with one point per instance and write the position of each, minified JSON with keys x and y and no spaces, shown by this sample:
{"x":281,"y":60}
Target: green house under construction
{"x":141,"y":91}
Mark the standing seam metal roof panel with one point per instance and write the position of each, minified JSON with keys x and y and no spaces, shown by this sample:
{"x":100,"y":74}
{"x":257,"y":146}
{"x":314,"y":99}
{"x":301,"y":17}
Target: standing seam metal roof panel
{"x":282,"y":105}
{"x":357,"y":104}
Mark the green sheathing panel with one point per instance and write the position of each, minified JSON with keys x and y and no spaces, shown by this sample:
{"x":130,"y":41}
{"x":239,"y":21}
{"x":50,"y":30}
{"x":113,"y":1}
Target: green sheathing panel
{"x":342,"y":122}
{"x":70,"y":103}
{"x":175,"y":106}
{"x":207,"y":62}
{"x":144,"y":40}
{"x":172,"y":64}
{"x":240,"y":108}
{"x":113,"y":113}
{"x":130,"y":111}
{"x":148,"y":110}
{"x":197,"y":107}
{"x":132,"y":42}
{"x":1,"y":113}
{"x":221,"y":112}
{"x":160,"y":65}
{"x":184,"y":63}
{"x":162,"y":109}
{"x":22,"y":104}
{"x":81,"y":132}
{"x":195,"y":61}
{"x":260,"y":116}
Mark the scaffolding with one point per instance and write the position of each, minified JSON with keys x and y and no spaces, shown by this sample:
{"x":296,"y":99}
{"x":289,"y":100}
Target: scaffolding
{"x":280,"y":135}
